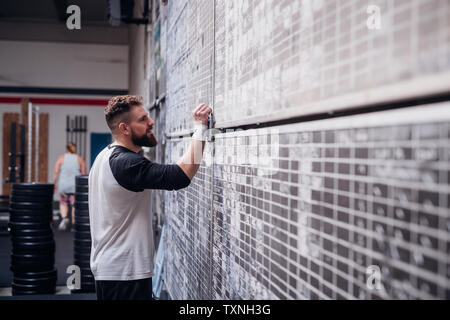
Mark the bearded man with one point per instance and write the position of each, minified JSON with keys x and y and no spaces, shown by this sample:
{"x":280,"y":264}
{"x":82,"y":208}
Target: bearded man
{"x":119,"y":198}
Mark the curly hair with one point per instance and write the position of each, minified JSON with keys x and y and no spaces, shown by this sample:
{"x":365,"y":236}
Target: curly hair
{"x":118,"y":108}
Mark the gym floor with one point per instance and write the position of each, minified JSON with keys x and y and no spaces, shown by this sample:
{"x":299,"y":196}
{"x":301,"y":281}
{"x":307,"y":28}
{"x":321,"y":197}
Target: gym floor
{"x":63,"y":259}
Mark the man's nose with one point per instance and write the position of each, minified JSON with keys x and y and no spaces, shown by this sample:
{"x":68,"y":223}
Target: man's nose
{"x":151,"y":122}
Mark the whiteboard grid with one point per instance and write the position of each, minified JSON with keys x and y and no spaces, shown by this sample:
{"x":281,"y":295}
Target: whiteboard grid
{"x":310,"y":230}
{"x":348,"y":192}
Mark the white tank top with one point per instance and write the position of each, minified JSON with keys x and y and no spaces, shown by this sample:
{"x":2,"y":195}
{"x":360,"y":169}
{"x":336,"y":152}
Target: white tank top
{"x":69,"y":170}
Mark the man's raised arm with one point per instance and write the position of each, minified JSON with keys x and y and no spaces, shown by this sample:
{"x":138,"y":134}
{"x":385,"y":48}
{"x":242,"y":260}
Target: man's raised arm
{"x":190,"y":161}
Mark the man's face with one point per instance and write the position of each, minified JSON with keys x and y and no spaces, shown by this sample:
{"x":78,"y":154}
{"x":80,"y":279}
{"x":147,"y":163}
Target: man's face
{"x":141,"y":128}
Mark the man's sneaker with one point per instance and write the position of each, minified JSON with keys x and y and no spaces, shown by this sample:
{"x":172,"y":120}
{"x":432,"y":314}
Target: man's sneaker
{"x":64,"y":223}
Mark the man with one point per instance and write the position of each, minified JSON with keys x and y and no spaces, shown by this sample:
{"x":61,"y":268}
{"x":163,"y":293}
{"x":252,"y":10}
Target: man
{"x":119,"y":198}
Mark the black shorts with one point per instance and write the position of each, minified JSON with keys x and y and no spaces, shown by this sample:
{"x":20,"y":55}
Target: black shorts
{"x":124,"y":290}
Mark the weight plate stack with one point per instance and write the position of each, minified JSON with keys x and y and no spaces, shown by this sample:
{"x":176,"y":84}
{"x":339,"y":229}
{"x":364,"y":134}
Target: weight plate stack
{"x":33,"y":245}
{"x":82,"y":242}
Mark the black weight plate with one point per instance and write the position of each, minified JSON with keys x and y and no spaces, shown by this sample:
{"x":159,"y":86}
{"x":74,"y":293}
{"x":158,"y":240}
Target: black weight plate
{"x":32,"y":212}
{"x":88,"y":286}
{"x":36,"y":214}
{"x":20,"y":249}
{"x":28,"y":226}
{"x":82,"y":227}
{"x":79,"y":196}
{"x":44,"y":255}
{"x":32,"y":293}
{"x":35,"y":281}
{"x":86,"y":272}
{"x":32,"y":199}
{"x":31,"y":219}
{"x":86,"y":279}
{"x":41,"y":288}
{"x":81,"y":188}
{"x":24,"y":286}
{"x":33,"y":248}
{"x":82,"y":264}
{"x":82,"y":180}
{"x":86,"y":251}
{"x":39,"y":197}
{"x":82,"y":235}
{"x":85,"y":289}
{"x":81,"y":213}
{"x":82,"y":256}
{"x":82,"y":220}
{"x":36,"y":219}
{"x":83,"y":242}
{"x":32,"y":257}
{"x":33,"y":186}
{"x":34,"y":267}
{"x":44,"y":251}
{"x":32,"y":238}
{"x":30,"y":206}
{"x":31,"y":232}
{"x":37,"y":275}
{"x":24,"y":193}
{"x":82,"y":205}
{"x":48,"y":254}
{"x":31,"y":267}
{"x":43,"y":246}
{"x":19,"y":292}
{"x":49,"y":242}
{"x":82,"y":250}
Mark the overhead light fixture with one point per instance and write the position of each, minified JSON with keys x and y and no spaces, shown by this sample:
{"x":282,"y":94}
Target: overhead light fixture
{"x":122,"y":11}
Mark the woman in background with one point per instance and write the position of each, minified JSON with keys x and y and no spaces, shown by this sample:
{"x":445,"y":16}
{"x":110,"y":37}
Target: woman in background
{"x":67,"y":167}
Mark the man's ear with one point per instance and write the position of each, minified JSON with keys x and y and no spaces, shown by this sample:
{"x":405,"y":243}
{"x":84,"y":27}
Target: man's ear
{"x":123,"y":128}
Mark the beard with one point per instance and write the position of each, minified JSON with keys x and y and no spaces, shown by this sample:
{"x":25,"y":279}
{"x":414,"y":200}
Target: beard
{"x":144,"y":140}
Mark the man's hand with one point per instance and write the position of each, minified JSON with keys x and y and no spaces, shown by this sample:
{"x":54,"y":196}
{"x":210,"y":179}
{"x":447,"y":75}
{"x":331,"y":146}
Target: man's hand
{"x":201,"y":114}
{"x":191,"y":159}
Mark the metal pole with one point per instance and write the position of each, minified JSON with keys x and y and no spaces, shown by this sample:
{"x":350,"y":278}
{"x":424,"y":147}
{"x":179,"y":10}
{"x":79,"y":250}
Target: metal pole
{"x":77,"y":132}
{"x":36,"y":159}
{"x":79,"y":135}
{"x":13,"y":154}
{"x":72,"y":128}
{"x":67,"y":128}
{"x":85,"y":137}
{"x":22,"y":153}
{"x":30,"y":136}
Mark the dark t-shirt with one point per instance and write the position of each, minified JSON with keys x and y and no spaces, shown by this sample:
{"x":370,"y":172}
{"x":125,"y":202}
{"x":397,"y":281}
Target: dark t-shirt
{"x":136,"y":173}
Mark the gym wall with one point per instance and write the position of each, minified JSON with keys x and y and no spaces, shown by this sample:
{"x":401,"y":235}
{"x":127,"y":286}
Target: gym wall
{"x":342,"y":166}
{"x":27,"y":64}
